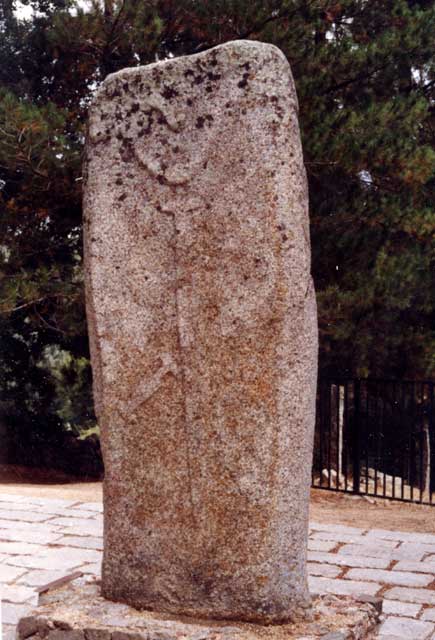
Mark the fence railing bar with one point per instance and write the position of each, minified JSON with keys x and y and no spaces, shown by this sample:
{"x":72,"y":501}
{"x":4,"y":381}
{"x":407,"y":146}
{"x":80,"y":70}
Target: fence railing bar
{"x":346,"y":434}
{"x":338,"y":436}
{"x":421,"y":421}
{"x":396,"y":414}
{"x":328,"y":407}
{"x":356,"y":438}
{"x":367,"y":435}
{"x":431,"y":440}
{"x":378,"y":437}
{"x":384,"y":487}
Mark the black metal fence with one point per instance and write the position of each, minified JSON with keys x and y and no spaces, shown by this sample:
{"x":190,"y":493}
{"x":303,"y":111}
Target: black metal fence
{"x":376,"y":437}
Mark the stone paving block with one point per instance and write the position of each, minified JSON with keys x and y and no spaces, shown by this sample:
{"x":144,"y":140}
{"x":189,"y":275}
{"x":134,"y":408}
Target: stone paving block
{"x":39,"y":577}
{"x":8,"y":573}
{"x":62,"y":559}
{"x":8,"y":632}
{"x":27,"y":516}
{"x":19,"y":594}
{"x":410,"y":547}
{"x":93,"y":568}
{"x":400,"y":578}
{"x":397,"y":608}
{"x":406,"y":594}
{"x":21,"y":525}
{"x":70,"y":554}
{"x":18,"y":506}
{"x":44,"y":562}
{"x":12,"y":612}
{"x":342,"y":587}
{"x":67,"y":512}
{"x":338,"y":528}
{"x":428,"y":614}
{"x":84,"y":542}
{"x":402,"y":536}
{"x":71,"y":522}
{"x":418,"y":567}
{"x":339,"y":537}
{"x":93,"y":530}
{"x":90,"y":506}
{"x":349,"y":561}
{"x":325,"y":570}
{"x":321,"y":545}
{"x":38,"y":537}
{"x":19,"y":548}
{"x":9,"y":497}
{"x":406,"y":629}
{"x":375,"y":551}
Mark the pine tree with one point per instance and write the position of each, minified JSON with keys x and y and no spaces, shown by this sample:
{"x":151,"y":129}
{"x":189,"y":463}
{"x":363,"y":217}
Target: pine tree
{"x":365,"y":78}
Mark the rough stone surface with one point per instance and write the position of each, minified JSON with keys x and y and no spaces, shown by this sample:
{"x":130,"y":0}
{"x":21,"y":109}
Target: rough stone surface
{"x":203,"y":333}
{"x":78,"y":611}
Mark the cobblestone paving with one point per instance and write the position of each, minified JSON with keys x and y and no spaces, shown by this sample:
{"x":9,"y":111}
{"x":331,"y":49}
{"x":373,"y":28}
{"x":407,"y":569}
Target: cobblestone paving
{"x":43,"y":539}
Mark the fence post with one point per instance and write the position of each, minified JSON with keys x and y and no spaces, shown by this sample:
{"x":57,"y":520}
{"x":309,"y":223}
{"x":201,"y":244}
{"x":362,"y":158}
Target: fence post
{"x":356,"y":437}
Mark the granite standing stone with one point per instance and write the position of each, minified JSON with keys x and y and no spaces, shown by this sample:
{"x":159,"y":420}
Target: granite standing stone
{"x":203,"y":333}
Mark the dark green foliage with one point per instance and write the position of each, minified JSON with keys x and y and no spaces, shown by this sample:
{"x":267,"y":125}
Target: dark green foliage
{"x":365,"y":78}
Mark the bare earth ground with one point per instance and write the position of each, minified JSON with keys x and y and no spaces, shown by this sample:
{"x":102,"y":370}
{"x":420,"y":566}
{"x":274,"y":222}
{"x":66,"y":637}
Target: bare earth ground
{"x":325,"y":507}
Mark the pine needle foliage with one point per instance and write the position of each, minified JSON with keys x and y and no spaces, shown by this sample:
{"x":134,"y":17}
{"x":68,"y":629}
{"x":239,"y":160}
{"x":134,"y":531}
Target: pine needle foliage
{"x":365,"y":76}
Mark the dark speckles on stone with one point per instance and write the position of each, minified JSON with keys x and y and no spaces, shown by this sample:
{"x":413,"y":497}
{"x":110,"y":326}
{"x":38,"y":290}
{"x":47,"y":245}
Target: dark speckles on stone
{"x":135,"y":107}
{"x":189,"y":102}
{"x":122,"y":197}
{"x":209,"y":117}
{"x":125,"y":86}
{"x":115,"y":94}
{"x":213,"y":77}
{"x":189,"y":72}
{"x":209,"y":88}
{"x":199,"y":79}
{"x":169,"y":92}
{"x":244,"y":81}
{"x":118,"y":181}
{"x":199,"y":122}
{"x":126,"y":153}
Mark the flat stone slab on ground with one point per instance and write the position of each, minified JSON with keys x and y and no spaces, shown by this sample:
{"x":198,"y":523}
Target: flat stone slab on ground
{"x":77,"y":611}
{"x":406,"y":629}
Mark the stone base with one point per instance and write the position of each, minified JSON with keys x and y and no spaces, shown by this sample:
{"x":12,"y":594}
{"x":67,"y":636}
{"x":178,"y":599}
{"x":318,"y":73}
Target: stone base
{"x":77,"y":611}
